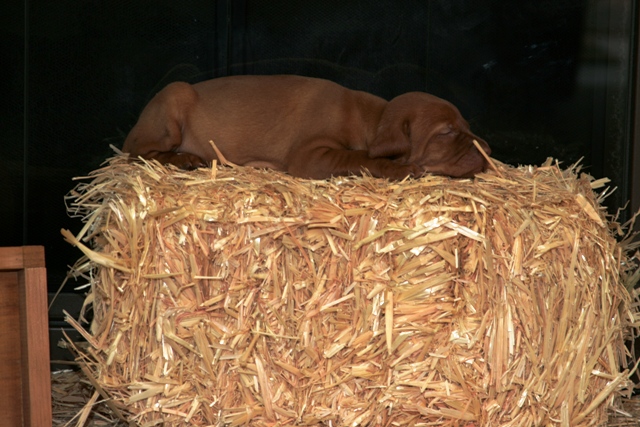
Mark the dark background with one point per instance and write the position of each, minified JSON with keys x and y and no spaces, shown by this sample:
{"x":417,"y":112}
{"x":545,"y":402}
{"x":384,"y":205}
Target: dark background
{"x":535,"y":78}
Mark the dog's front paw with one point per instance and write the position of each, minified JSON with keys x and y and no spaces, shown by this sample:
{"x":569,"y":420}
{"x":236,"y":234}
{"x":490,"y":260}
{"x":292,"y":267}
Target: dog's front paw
{"x":400,"y":172}
{"x":190,"y":161}
{"x":415,"y":171}
{"x":186,"y":161}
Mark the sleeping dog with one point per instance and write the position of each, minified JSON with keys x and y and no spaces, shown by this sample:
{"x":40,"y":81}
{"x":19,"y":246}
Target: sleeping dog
{"x":308,"y":127}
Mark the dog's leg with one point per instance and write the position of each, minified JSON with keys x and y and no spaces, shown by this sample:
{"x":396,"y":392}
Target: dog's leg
{"x":325,"y":162}
{"x":158,"y":132}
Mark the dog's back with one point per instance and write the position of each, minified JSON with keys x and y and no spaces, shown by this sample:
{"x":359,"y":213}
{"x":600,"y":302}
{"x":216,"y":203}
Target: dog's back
{"x":254,"y":120}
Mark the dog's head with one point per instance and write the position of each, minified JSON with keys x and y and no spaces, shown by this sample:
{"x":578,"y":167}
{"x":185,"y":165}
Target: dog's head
{"x":424,"y":130}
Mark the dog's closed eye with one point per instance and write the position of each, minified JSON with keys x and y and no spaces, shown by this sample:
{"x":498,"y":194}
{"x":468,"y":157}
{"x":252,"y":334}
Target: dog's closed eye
{"x":448,"y":131}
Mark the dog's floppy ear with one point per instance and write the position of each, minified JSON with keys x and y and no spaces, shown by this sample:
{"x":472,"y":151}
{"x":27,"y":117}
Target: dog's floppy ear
{"x":393,"y":138}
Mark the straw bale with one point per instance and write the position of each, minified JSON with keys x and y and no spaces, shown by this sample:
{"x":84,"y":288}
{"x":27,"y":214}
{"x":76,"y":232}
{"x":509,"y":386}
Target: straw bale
{"x":238,"y":296}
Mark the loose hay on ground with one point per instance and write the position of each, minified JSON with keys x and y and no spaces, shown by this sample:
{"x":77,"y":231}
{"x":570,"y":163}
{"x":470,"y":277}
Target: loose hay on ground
{"x":238,"y":296}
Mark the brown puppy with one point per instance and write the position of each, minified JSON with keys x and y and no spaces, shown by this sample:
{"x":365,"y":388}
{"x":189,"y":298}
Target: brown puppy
{"x":310,"y":128}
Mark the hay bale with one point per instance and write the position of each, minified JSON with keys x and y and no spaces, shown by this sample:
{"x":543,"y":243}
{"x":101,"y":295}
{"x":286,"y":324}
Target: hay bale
{"x":236,"y":296}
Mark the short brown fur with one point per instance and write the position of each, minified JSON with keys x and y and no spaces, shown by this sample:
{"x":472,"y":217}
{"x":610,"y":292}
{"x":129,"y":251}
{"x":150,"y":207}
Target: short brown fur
{"x":308,"y":127}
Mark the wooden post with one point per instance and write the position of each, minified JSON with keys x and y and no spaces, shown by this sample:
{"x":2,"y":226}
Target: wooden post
{"x":24,"y":337}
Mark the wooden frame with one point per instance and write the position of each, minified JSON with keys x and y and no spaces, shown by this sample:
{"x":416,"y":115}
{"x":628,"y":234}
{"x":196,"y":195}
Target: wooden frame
{"x":24,"y":337}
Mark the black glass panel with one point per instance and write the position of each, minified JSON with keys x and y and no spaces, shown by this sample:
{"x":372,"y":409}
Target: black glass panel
{"x":535,"y":78}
